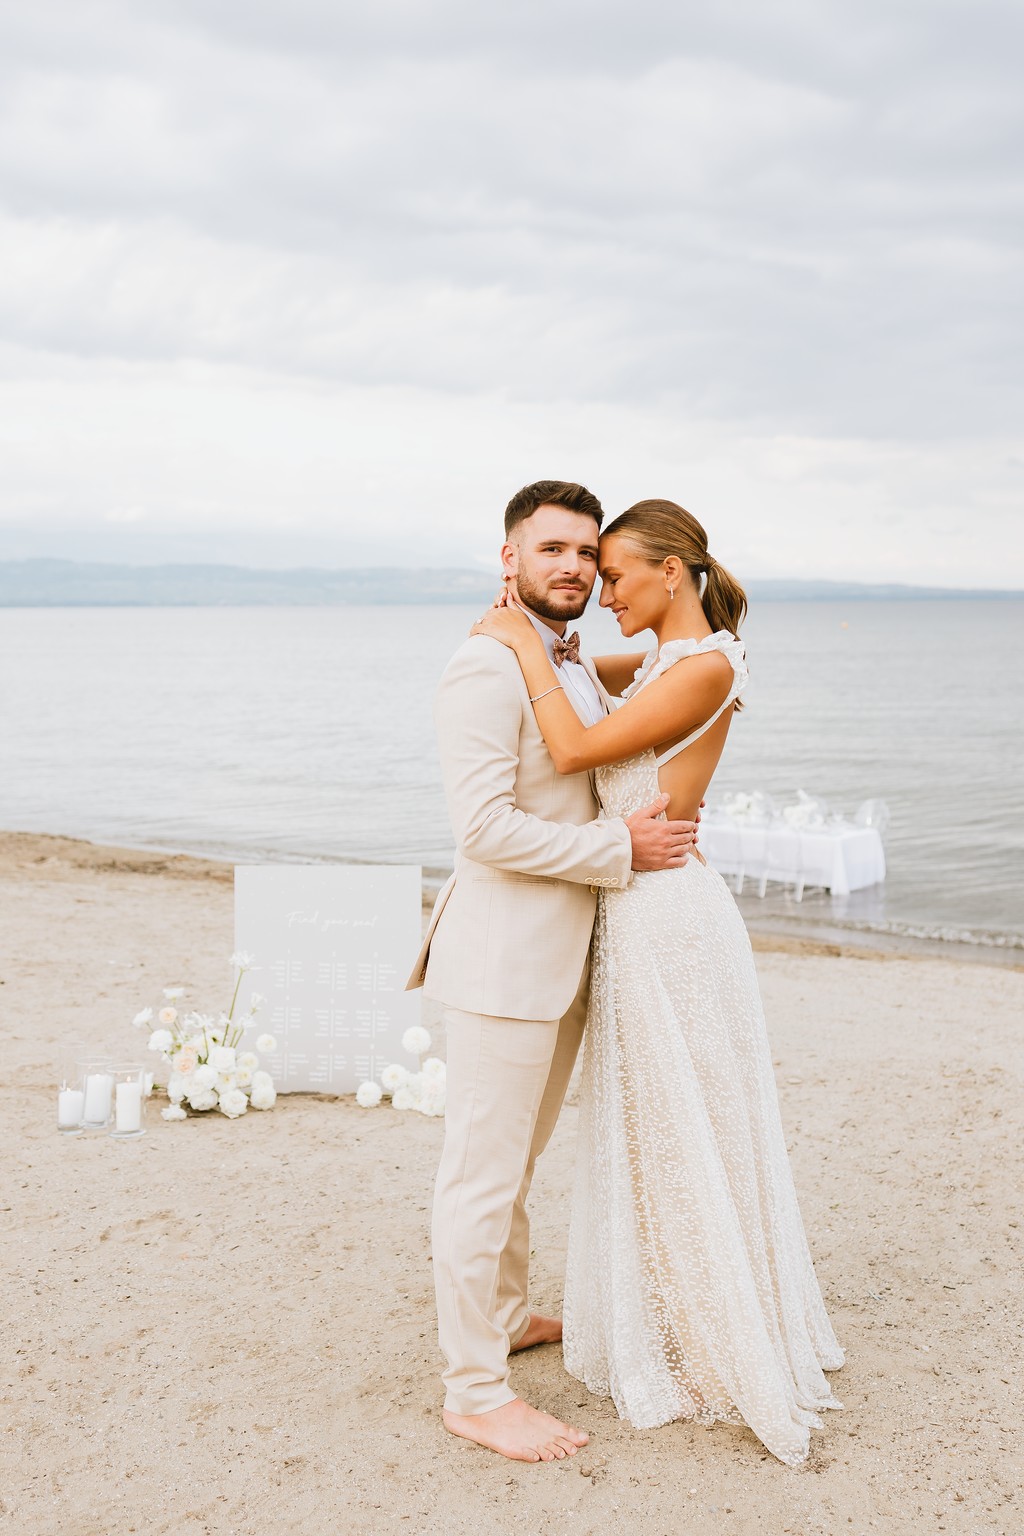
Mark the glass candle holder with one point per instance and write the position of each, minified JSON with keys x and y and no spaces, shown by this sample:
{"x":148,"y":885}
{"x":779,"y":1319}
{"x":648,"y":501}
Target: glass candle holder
{"x":129,"y":1099}
{"x":98,"y":1088}
{"x":70,"y":1095}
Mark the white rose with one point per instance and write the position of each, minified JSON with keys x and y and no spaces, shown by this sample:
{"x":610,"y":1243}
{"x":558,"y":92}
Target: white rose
{"x":143,"y":1018}
{"x":416,"y":1040}
{"x":168,"y":1015}
{"x":173,"y":993}
{"x":267,"y":1044}
{"x":434,"y":1069}
{"x":222,"y":1058}
{"x":415,"y":1086}
{"x":264,"y":1094}
{"x":161,"y":1040}
{"x":204,"y":1077}
{"x":186,"y":1060}
{"x":243,"y":1077}
{"x":368,"y":1095}
{"x":202,"y":1098}
{"x":403,"y":1099}
{"x":432,"y":1102}
{"x":394,"y":1076}
{"x":173,"y":1112}
{"x":177,"y":1088}
{"x":233,"y":1103}
{"x":225,"y":1082}
{"x":248,"y":1061}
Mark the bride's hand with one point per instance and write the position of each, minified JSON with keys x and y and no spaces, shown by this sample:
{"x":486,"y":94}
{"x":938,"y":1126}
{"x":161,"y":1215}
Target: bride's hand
{"x":507,"y":624}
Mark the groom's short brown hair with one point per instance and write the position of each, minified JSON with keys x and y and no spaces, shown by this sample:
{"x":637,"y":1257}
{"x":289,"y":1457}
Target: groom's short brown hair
{"x":553,"y":493}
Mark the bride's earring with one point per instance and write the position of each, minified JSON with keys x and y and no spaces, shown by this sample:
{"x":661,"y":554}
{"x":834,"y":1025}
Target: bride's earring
{"x":671,"y":593}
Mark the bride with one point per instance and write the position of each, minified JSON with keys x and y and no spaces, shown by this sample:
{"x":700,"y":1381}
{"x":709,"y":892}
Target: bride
{"x":690,"y":1292}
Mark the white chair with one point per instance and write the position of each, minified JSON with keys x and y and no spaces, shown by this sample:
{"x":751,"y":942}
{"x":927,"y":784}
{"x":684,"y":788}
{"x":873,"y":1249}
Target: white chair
{"x":873,"y":813}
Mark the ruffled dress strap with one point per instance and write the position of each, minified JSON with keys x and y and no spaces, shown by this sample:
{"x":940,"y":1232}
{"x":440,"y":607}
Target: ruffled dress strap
{"x":656,"y":663}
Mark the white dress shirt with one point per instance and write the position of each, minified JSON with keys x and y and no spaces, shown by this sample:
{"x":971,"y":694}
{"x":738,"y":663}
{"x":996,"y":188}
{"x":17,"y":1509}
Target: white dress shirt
{"x":576,"y":679}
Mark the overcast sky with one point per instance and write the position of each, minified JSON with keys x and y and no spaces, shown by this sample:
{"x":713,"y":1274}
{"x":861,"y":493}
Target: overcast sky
{"x":305,"y":281}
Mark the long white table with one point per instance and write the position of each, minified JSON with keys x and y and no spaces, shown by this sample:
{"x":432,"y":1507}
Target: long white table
{"x":842,"y":859}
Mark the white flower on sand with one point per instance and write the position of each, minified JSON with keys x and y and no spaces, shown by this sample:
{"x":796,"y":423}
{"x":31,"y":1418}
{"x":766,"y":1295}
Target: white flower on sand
{"x":432,"y":1102}
{"x":143,"y":1018}
{"x":368,"y":1095}
{"x":186,"y":1060}
{"x":161,"y":1040}
{"x":416,"y":1040}
{"x":173,"y":993}
{"x":242,"y":960}
{"x":202,"y":1098}
{"x":177,"y":1088}
{"x":434,"y":1069}
{"x":267,"y":1044}
{"x":402,"y":1098}
{"x":264,"y":1094}
{"x":225,"y":1082}
{"x":393,"y":1077}
{"x":173,"y":1112}
{"x":222,"y":1058}
{"x":168,"y":1015}
{"x":233,"y":1103}
{"x":248,"y":1061}
{"x":204,"y":1077}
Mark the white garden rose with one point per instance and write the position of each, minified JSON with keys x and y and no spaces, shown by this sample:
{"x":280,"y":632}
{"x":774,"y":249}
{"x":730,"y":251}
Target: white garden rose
{"x":168,"y":1015}
{"x":416,"y":1040}
{"x":394,"y":1076}
{"x":243,"y":1077}
{"x":233,"y":1103}
{"x":434,"y":1069}
{"x":225,"y":1081}
{"x":263,"y":1094}
{"x":202,"y":1098}
{"x":204,"y":1077}
{"x":267,"y":1044}
{"x":173,"y":1112}
{"x":161,"y":1040}
{"x":142,"y":1019}
{"x":403,"y":1099}
{"x":177,"y":1088}
{"x":415,"y":1086}
{"x":432,"y":1100}
{"x":222,"y":1058}
{"x":248,"y":1061}
{"x":368,"y":1095}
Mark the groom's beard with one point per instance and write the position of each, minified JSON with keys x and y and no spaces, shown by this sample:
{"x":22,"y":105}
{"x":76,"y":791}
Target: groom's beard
{"x":560,"y":604}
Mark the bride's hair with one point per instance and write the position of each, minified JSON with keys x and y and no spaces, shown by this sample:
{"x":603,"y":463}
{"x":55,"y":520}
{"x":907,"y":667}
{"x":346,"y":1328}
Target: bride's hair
{"x":658,"y":529}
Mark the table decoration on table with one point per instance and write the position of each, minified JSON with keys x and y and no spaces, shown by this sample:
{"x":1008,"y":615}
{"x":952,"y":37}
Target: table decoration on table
{"x":210,"y":1068}
{"x":801,"y":844}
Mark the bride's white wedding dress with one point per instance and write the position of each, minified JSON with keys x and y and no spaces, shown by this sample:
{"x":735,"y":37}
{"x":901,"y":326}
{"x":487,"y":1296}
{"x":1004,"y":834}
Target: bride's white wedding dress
{"x":690,"y":1292}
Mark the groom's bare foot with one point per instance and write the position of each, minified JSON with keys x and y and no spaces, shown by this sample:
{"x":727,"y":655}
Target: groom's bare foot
{"x":540,"y":1330}
{"x":518,"y":1431}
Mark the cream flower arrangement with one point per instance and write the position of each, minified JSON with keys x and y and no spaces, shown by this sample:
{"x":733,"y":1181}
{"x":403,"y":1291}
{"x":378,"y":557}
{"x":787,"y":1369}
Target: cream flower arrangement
{"x":423,"y":1091}
{"x":210,"y":1067}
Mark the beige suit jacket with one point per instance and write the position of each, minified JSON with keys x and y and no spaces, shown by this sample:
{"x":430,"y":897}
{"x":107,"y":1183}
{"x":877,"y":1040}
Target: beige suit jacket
{"x":510,"y":931}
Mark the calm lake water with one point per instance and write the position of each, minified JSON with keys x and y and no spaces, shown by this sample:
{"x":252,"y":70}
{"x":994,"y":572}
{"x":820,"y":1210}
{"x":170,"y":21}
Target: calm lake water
{"x":278,"y":733}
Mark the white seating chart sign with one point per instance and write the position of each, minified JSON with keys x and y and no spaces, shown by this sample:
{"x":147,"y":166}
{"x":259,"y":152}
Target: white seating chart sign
{"x":332,"y":946}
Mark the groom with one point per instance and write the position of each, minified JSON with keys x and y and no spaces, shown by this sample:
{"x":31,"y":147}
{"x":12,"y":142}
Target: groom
{"x":507,"y":953}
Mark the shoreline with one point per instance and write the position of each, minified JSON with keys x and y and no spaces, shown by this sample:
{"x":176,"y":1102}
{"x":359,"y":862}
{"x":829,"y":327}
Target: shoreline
{"x":768,"y":933}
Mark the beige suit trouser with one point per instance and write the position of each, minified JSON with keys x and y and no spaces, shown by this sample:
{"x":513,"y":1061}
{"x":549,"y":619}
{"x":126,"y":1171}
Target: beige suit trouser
{"x":506,"y":1082}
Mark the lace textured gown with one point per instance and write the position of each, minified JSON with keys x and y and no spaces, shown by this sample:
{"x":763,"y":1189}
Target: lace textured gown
{"x":690,"y":1292}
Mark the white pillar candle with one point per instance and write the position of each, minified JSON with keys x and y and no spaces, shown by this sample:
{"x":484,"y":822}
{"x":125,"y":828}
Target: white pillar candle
{"x":128,"y":1107}
{"x":97,"y":1098}
{"x":70,"y":1102}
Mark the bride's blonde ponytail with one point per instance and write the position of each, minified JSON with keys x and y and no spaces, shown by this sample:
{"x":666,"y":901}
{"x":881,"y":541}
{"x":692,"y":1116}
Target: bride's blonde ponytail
{"x":659,"y":529}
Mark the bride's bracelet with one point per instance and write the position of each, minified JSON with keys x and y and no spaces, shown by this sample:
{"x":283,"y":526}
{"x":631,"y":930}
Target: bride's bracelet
{"x":545,"y":694}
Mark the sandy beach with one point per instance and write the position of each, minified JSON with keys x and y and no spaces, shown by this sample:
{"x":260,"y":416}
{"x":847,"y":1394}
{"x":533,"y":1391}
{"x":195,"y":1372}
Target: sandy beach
{"x":227,"y":1328}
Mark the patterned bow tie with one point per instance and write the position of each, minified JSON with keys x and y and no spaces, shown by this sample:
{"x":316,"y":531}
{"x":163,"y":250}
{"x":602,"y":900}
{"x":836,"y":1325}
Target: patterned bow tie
{"x":567,"y":650}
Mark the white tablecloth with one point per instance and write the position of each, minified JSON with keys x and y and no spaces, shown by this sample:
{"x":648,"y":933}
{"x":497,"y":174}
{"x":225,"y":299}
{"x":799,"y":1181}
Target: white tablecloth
{"x":841,"y":859}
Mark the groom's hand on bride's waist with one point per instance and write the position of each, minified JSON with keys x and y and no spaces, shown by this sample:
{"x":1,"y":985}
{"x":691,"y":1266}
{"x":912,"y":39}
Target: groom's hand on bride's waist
{"x":660,"y":844}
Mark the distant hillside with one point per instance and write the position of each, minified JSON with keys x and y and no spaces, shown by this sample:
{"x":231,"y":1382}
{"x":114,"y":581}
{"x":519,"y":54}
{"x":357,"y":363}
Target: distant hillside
{"x":74,"y":584}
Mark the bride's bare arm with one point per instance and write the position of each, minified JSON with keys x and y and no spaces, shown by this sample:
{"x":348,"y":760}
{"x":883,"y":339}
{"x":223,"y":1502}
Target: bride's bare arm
{"x":617,"y":672}
{"x":663,"y":711}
